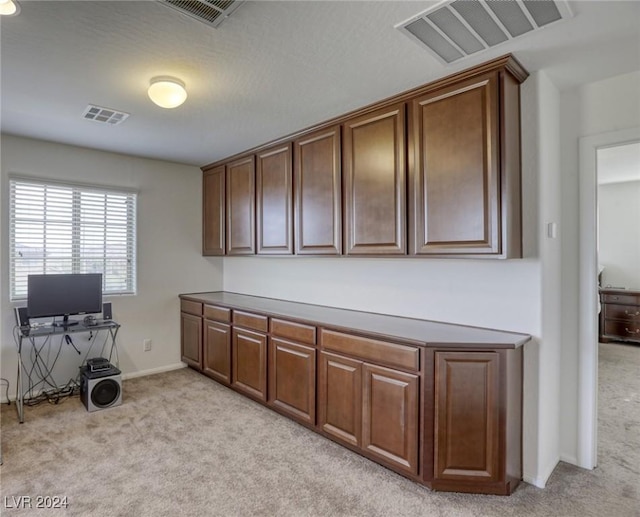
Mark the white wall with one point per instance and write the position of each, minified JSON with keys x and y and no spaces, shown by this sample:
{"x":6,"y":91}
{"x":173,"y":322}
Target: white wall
{"x":506,"y":295}
{"x":549,"y":217}
{"x":619,"y":233}
{"x":169,"y":247}
{"x":600,"y":107}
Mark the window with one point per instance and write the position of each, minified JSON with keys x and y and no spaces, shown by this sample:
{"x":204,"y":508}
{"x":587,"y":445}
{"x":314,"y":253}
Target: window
{"x":57,"y":228}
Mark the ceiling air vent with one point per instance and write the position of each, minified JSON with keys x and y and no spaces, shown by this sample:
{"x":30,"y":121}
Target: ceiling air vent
{"x":455,"y":29}
{"x":104,"y":115}
{"x":211,"y":12}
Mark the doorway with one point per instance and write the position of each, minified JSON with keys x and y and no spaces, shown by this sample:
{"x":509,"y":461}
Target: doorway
{"x":588,"y":290}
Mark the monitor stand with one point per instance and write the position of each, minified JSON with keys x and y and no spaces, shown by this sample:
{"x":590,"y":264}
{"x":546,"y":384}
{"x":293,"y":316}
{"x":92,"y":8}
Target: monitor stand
{"x":65,"y":322}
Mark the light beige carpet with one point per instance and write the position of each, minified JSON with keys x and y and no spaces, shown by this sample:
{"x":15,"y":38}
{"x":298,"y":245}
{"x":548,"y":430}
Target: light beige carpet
{"x":183,"y":445}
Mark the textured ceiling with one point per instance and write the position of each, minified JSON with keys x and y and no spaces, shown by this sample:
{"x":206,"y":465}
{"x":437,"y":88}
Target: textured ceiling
{"x":272,"y":68}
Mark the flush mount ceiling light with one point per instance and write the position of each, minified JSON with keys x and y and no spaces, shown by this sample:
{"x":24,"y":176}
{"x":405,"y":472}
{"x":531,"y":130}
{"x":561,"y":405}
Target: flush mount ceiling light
{"x":167,"y":92}
{"x":9,"y":8}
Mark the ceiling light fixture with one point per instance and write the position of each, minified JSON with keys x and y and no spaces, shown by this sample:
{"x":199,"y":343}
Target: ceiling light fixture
{"x":167,"y":92}
{"x":9,"y":8}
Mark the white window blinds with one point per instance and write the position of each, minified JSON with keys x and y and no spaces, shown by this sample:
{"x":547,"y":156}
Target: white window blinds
{"x":56,"y":228}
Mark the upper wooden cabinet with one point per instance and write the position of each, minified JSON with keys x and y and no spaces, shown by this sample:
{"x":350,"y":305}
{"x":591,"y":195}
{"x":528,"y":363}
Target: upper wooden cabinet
{"x":213,"y":211}
{"x":241,"y":233}
{"x":317,"y":179}
{"x":464,"y":185}
{"x":274,"y":198}
{"x":374,"y":182}
{"x":433,"y":171}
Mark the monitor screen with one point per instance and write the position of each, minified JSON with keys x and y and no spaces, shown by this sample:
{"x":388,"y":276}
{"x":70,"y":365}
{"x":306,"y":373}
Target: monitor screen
{"x":62,"y":295}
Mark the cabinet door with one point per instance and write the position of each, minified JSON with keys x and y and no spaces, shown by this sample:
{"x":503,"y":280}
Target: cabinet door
{"x":213,"y":211}
{"x":249,"y":363}
{"x":454,"y":184}
{"x":317,"y":179}
{"x":340,"y":398}
{"x":217,"y":351}
{"x":292,"y":379}
{"x":374,"y":180}
{"x":466,"y":416}
{"x":240,"y":180}
{"x":390,"y":416}
{"x":274,"y":201}
{"x":191,"y":339}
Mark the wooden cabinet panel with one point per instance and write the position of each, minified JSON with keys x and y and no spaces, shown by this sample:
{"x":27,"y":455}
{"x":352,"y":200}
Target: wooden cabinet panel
{"x":217,"y":313}
{"x":217,"y":351}
{"x":190,"y":307}
{"x":240,"y":203}
{"x":274,"y":200}
{"x":622,"y":330}
{"x":213,"y":211}
{"x":340,"y":398}
{"x":250,"y":320}
{"x":467,"y":416}
{"x":249,"y":363}
{"x":191,"y":339}
{"x":391,"y":354}
{"x":295,"y":331}
{"x":317,"y":179}
{"x":292,"y":379}
{"x":374,"y":181}
{"x":390,"y":416}
{"x":455,"y":170}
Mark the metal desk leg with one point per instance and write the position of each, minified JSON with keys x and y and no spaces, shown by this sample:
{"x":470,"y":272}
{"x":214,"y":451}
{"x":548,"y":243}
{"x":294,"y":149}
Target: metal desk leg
{"x":19,"y":390}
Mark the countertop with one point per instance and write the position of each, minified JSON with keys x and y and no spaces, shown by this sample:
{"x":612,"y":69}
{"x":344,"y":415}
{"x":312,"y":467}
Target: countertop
{"x":411,"y":331}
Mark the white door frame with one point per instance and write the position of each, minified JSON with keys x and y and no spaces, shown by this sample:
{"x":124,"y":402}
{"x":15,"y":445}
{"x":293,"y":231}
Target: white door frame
{"x":588,"y":291}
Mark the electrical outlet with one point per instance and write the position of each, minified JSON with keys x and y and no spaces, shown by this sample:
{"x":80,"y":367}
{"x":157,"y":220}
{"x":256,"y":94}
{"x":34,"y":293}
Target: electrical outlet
{"x":146,"y":345}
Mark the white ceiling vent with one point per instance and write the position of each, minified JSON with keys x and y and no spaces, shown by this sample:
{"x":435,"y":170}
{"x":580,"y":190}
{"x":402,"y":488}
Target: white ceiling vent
{"x":104,"y":115}
{"x":455,"y":29}
{"x":211,"y":12}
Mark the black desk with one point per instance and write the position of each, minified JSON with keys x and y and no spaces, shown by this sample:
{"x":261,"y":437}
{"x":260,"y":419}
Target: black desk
{"x":32,"y":334}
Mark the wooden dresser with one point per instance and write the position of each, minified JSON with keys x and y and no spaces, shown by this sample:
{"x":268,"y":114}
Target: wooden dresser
{"x":619,"y":315}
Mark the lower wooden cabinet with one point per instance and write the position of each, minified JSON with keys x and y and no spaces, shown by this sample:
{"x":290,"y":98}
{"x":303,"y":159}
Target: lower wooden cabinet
{"x":249,"y":360}
{"x":292,"y":379}
{"x":476,"y":422}
{"x":466,"y":405}
{"x":216,"y":362}
{"x":448,"y":416}
{"x":390,"y":416}
{"x":340,"y":398}
{"x":191,"y":339}
{"x":372,"y":408}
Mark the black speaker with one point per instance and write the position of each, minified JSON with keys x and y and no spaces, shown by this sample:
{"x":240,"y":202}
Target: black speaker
{"x":100,"y":389}
{"x":22,"y":317}
{"x":106,"y":311}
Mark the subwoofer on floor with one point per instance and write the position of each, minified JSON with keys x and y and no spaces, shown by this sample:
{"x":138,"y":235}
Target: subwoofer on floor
{"x":100,"y":389}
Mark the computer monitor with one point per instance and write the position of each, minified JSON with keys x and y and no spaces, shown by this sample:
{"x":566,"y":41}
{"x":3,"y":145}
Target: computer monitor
{"x":64,"y":295}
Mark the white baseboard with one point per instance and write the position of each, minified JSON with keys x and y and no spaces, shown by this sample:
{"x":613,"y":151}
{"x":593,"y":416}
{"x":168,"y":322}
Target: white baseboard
{"x":572,"y":460}
{"x":125,"y":376}
{"x":540,"y":480}
{"x":153,"y":371}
